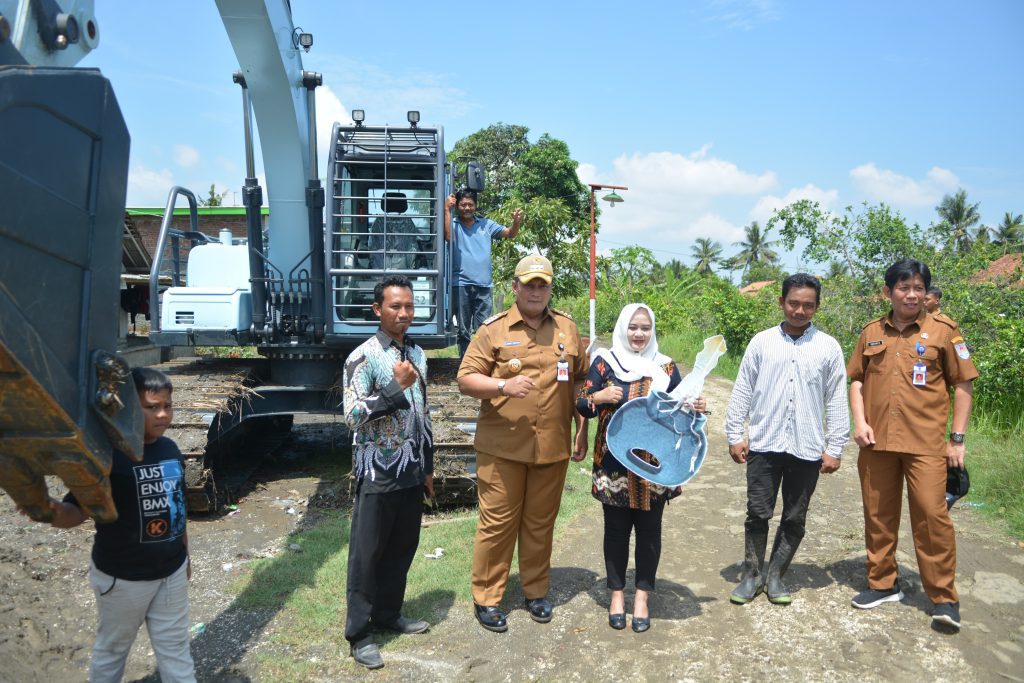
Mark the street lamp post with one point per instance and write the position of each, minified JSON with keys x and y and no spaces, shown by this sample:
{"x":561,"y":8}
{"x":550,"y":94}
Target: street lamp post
{"x":613,"y":198}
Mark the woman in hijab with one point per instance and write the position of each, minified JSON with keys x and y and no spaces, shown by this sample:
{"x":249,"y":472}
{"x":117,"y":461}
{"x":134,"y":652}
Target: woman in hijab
{"x":631,"y":369}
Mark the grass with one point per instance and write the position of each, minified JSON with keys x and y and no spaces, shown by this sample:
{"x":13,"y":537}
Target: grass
{"x":684,"y":346}
{"x":227,"y":352}
{"x":307,"y":589}
{"x":996,"y":464}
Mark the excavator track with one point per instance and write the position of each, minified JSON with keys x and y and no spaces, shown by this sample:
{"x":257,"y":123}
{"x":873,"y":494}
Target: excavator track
{"x":454,"y":417}
{"x":205,"y":390}
{"x":208,"y":389}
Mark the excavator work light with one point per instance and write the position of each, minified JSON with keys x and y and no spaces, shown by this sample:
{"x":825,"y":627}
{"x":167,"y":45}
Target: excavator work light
{"x":358,"y":116}
{"x":301,"y":39}
{"x":414,"y":118}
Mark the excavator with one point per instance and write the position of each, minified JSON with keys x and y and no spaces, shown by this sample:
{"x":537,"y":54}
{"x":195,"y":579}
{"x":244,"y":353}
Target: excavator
{"x":298,"y":289}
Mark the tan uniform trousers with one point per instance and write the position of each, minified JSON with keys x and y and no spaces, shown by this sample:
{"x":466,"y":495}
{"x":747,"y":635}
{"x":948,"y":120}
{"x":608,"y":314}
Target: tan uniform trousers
{"x":881,"y":484}
{"x":518,"y":501}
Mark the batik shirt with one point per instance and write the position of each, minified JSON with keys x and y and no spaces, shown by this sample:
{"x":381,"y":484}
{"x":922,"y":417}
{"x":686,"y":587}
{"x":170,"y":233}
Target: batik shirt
{"x":392,"y":436}
{"x":613,"y":484}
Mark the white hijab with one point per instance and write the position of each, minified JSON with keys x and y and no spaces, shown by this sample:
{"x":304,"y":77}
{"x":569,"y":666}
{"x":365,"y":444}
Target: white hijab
{"x":629,"y":365}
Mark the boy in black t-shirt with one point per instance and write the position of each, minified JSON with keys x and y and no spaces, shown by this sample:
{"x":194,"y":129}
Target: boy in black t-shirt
{"x":140,"y":566}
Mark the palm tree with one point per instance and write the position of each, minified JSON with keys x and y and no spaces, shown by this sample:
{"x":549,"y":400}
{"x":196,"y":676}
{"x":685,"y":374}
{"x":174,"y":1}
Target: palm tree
{"x":707,"y":252}
{"x":756,"y":248}
{"x":732,"y":264}
{"x":835,"y":269}
{"x":957,"y":218}
{"x":676,"y":267}
{"x":1010,"y":233}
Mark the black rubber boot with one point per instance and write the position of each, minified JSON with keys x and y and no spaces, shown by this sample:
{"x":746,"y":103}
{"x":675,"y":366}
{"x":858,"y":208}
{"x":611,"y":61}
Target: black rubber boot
{"x":754,"y":545}
{"x":783,"y":551}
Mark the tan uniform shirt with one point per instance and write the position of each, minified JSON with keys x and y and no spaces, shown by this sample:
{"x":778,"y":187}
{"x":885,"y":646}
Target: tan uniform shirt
{"x":536,"y":429}
{"x":908,"y":418}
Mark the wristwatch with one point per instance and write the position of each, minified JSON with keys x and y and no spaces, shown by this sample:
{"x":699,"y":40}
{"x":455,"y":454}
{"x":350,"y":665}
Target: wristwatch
{"x":956,"y":437}
{"x":501,"y":389}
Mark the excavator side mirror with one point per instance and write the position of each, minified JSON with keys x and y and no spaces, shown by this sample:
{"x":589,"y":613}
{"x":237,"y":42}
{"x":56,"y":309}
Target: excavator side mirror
{"x":475,"y":176}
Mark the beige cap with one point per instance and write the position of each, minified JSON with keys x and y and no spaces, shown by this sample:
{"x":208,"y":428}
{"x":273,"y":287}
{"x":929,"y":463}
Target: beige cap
{"x":534,"y":266}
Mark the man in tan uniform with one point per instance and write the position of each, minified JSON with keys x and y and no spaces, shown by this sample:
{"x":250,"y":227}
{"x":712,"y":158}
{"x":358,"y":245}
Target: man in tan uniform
{"x":902,"y":369}
{"x":526,"y":365}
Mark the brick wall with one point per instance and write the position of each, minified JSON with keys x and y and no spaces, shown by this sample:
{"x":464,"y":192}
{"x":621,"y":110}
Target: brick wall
{"x":148,"y":227}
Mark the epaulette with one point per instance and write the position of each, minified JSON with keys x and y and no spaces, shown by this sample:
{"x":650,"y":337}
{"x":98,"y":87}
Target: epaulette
{"x":561,"y":313}
{"x":496,"y":316}
{"x":876,"y":320}
{"x":946,"y":320}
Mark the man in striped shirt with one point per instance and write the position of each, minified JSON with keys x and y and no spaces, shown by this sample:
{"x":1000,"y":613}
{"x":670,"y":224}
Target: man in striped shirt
{"x":791,"y":377}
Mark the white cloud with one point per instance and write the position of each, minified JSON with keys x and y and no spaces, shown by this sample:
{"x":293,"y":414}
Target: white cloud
{"x":329,"y":110}
{"x":767,"y":204}
{"x":743,"y":14}
{"x":147,"y":187}
{"x":903,"y":191}
{"x":186,"y":156}
{"x":673,"y":199}
{"x":696,"y":174}
{"x":387,"y":95}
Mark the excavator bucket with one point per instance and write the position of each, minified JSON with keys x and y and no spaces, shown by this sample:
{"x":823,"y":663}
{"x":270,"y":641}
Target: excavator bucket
{"x":66,"y":400}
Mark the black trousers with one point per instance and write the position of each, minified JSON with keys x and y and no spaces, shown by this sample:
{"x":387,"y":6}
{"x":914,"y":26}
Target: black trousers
{"x":381,"y":546}
{"x":798,"y":479}
{"x":618,"y":524}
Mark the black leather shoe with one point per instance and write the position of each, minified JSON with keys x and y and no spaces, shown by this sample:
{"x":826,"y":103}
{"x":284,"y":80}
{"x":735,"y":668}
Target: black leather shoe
{"x":408,"y":626}
{"x":491,"y":618}
{"x":617,"y":621}
{"x":540,"y":610}
{"x":368,"y":655}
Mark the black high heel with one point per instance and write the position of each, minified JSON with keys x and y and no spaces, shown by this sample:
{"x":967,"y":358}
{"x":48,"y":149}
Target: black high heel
{"x":617,"y":621}
{"x":641,"y":624}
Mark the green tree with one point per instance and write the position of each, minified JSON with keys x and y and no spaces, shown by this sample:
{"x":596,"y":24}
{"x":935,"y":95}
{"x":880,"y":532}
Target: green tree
{"x":541,"y":179}
{"x":755,"y":247}
{"x":708,"y":253}
{"x":759,"y":271}
{"x":546,"y":169}
{"x":214,"y":198}
{"x":866,"y":241}
{"x":676,"y":267}
{"x":732,"y":264}
{"x":1010,"y":233}
{"x":836,"y":269}
{"x":500,"y":149}
{"x":957,"y":217}
{"x":629,"y":269}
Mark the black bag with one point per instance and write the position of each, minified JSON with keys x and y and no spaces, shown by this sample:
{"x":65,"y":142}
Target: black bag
{"x":958,"y":483}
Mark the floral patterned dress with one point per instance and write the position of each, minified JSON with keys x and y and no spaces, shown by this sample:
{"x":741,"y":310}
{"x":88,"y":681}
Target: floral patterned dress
{"x":613,"y":484}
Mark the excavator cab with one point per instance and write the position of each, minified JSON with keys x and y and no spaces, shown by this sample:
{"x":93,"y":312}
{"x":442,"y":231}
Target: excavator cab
{"x":386,"y":206}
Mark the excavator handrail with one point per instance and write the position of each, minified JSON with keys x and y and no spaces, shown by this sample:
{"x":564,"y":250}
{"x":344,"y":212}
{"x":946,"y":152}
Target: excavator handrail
{"x":161,"y":242}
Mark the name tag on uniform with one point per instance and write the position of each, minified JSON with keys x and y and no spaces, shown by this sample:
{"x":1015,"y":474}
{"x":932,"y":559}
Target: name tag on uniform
{"x":562,"y":371}
{"x":920,"y":377}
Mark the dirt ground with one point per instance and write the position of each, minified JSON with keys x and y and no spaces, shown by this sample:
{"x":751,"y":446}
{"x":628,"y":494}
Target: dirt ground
{"x":47,"y":614}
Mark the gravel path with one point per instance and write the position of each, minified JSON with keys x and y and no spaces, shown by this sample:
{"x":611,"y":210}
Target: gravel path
{"x":47,"y":615}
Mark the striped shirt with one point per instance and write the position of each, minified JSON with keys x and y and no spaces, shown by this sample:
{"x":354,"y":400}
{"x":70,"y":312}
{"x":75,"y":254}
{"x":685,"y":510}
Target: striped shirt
{"x":786,"y":387}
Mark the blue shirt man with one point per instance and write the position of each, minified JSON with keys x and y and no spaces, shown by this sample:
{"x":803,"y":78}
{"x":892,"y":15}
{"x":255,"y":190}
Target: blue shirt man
{"x":471,"y":264}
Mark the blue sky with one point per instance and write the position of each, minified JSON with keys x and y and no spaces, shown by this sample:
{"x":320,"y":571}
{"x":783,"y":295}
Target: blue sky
{"x":713,"y":112}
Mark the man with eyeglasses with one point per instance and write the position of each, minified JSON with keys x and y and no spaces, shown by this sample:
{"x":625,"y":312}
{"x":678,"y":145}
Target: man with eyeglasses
{"x":471,"y":265}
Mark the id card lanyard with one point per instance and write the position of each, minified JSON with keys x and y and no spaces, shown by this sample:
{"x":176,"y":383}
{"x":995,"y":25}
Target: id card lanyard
{"x":920,"y":376}
{"x":562,"y":367}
